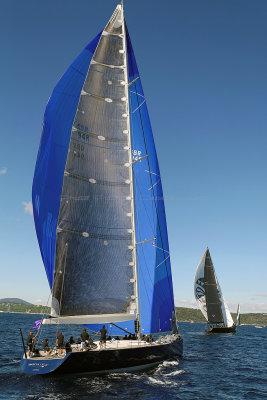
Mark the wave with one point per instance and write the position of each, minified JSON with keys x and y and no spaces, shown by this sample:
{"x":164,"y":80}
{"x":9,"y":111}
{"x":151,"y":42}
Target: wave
{"x":174,"y":373}
{"x":158,"y":381}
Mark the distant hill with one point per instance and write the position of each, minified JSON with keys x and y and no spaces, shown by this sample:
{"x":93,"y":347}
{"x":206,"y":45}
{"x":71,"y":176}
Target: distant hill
{"x":183,"y":313}
{"x":189,"y":314}
{"x":14,"y":300}
{"x":25,"y":307}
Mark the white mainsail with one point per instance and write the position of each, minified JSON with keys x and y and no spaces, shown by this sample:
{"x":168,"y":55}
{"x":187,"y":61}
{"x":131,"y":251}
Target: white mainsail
{"x":228,"y":320}
{"x":238,"y":315}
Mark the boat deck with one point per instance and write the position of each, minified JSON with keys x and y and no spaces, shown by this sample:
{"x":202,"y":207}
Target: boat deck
{"x":110,"y":345}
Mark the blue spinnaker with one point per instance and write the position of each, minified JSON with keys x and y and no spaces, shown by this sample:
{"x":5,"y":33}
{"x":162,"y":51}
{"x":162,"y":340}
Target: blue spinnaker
{"x":48,"y":177}
{"x":153,"y":261}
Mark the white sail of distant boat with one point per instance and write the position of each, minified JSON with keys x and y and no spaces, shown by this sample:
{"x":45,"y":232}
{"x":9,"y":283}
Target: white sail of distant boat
{"x":209,"y":295}
{"x":238,"y":315}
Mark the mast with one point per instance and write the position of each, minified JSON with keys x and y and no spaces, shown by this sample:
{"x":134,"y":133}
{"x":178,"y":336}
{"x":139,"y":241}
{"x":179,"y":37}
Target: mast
{"x":131,"y":173}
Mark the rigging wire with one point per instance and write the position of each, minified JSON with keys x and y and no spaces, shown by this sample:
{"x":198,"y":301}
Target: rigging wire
{"x":42,"y":318}
{"x":62,"y":286}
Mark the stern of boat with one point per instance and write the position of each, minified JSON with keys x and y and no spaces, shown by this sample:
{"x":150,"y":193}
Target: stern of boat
{"x":41,"y":365}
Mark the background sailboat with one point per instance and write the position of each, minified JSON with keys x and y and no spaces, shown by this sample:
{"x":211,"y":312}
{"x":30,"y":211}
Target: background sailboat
{"x":98,"y":201}
{"x":210,"y":299}
{"x":238,"y":315}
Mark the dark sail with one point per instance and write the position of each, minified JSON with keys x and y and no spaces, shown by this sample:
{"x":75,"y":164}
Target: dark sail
{"x":94,"y":260}
{"x":213,"y":302}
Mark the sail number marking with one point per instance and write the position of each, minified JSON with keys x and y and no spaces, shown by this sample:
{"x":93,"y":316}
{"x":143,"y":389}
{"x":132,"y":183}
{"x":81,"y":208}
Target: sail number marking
{"x":83,"y":136}
{"x":82,"y":127}
{"x":81,"y":132}
{"x":200,"y":288}
{"x":136,"y":154}
{"x":78,"y":150}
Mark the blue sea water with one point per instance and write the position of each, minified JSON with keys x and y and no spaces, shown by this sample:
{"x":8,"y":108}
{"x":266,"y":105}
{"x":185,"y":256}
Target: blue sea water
{"x":218,"y":366}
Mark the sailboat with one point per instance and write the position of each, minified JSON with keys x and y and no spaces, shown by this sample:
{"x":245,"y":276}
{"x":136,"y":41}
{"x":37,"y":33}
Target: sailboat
{"x":99,"y":212}
{"x":210,"y":299}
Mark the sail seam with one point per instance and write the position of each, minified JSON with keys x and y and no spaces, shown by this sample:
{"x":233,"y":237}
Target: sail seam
{"x":102,"y":147}
{"x":95,"y":96}
{"x":119,"y":35}
{"x":95,"y":235}
{"x":108,"y":65}
{"x":99,"y":182}
{"x":96,"y":136}
{"x":106,"y":73}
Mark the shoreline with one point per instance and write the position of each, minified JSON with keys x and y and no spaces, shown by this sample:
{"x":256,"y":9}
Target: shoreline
{"x":19,"y":312}
{"x":191,"y":322}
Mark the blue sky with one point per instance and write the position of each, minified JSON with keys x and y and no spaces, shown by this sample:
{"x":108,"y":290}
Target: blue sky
{"x":203,"y":65}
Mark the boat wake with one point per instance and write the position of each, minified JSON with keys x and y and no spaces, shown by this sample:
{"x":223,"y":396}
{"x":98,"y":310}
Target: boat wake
{"x":165,"y":373}
{"x":14,"y":361}
{"x":174,"y":373}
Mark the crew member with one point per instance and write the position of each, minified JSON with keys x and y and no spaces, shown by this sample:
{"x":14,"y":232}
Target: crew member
{"x":84,"y":337}
{"x":46,"y":347}
{"x":60,"y":343}
{"x":30,"y":343}
{"x":103,"y":336}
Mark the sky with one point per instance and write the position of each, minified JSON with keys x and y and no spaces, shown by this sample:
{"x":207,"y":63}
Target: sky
{"x":203,"y":66}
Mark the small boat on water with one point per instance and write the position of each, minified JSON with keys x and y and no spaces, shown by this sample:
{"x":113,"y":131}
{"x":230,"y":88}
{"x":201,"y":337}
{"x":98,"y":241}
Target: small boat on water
{"x":99,"y":213}
{"x":210,"y":299}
